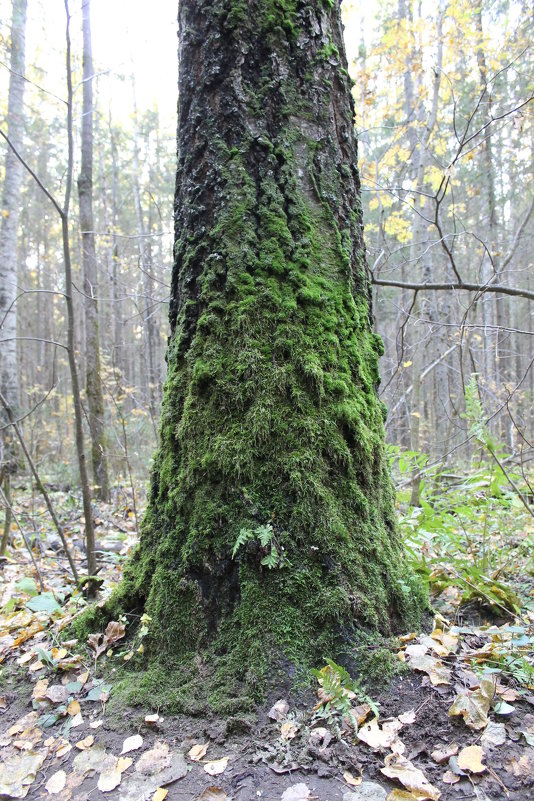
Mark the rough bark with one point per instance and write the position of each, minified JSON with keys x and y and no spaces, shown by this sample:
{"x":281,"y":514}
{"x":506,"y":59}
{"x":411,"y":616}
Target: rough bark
{"x":9,"y":227}
{"x":271,"y":426}
{"x":95,"y":394}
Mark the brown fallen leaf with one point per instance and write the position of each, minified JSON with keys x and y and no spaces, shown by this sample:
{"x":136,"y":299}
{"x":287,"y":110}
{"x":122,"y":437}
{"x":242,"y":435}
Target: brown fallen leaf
{"x":160,"y":794}
{"x":353,"y":781}
{"x":413,"y":779}
{"x":198,"y":752}
{"x":470,"y":758}
{"x":442,"y":755}
{"x":39,"y":691}
{"x":379,"y":737}
{"x":407,"y":718}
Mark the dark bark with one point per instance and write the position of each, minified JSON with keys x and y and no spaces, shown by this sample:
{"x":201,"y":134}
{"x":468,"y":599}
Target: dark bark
{"x":270,"y":533}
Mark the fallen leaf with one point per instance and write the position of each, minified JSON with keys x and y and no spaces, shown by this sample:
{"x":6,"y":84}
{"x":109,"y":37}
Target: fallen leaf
{"x":160,"y":794}
{"x":109,"y":780}
{"x":288,"y":730}
{"x":376,"y":737}
{"x":470,"y":758}
{"x":217,"y":766}
{"x":400,"y":768}
{"x":213,"y":794}
{"x":57,"y":693}
{"x":354,"y":781}
{"x":297,"y":792}
{"x":449,"y":777}
{"x":474,"y":705}
{"x":198,"y":751}
{"x":73,"y":708}
{"x":154,"y":760}
{"x":279,"y":710}
{"x":522,"y":767}
{"x":39,"y":691}
{"x":77,"y":720}
{"x":502,"y":708}
{"x":494,"y":734}
{"x":123,"y":763}
{"x":56,"y":782}
{"x":86,"y":743}
{"x":407,"y":717}
{"x":151,"y":720}
{"x":401,"y":795}
{"x":95,"y":724}
{"x":18,"y":772}
{"x":62,"y":750}
{"x":442,"y":755}
{"x":132,"y":743}
{"x":434,"y":668}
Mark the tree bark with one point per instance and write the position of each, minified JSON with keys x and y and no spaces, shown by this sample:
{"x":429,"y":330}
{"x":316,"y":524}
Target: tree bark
{"x":270,"y":538}
{"x":95,"y":394}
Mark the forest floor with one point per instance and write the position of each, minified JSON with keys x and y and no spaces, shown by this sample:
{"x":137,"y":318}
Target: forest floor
{"x":457,"y":722}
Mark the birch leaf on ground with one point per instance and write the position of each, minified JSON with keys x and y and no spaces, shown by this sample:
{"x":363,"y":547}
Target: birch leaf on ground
{"x":198,"y":751}
{"x":376,"y":737}
{"x":470,"y":758}
{"x":413,"y":779}
{"x":297,"y":792}
{"x":442,"y":755}
{"x":495,"y":734}
{"x":216,"y":766}
{"x":279,"y":710}
{"x":56,"y":782}
{"x":132,"y":743}
{"x":160,"y":794}
{"x":474,"y":705}
{"x":434,"y":668}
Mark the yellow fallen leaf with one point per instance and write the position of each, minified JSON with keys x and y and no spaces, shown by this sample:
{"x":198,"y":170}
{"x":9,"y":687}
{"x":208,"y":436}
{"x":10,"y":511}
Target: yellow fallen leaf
{"x":401,"y":795}
{"x":198,"y":751}
{"x":73,"y":708}
{"x":160,"y":794}
{"x":109,"y":780}
{"x":470,"y":759}
{"x":35,"y":666}
{"x":39,"y":691}
{"x":449,"y":777}
{"x":217,"y":766}
{"x":87,"y":742}
{"x":59,"y":653}
{"x":123,"y":763}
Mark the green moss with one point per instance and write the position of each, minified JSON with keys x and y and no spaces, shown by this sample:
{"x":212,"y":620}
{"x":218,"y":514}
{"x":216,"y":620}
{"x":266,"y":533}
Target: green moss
{"x":270,"y":416}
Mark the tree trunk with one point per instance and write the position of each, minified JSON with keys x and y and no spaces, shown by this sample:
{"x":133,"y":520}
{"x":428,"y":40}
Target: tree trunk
{"x":9,"y":381}
{"x":270,"y":537}
{"x":95,"y":394}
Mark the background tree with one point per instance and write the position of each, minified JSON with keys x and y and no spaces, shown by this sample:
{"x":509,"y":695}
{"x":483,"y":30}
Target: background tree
{"x":95,"y":394}
{"x":9,"y":374}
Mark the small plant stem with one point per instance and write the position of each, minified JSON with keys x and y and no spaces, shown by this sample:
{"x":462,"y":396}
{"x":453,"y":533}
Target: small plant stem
{"x":40,"y":486}
{"x":7,"y":504}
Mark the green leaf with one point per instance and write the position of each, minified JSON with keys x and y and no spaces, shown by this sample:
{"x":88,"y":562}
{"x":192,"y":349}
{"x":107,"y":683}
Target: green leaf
{"x":27,"y":585}
{"x":43,"y":603}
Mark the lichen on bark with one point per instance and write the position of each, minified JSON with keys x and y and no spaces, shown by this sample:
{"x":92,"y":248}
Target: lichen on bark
{"x":270,"y":414}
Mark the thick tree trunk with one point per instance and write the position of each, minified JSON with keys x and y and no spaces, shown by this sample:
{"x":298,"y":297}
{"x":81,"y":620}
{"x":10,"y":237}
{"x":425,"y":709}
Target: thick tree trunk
{"x":95,"y":394}
{"x":271,"y":430}
{"x":9,"y":382}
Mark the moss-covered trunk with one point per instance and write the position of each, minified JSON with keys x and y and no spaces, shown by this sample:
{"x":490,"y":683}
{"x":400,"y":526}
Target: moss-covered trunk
{"x":270,"y":535}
